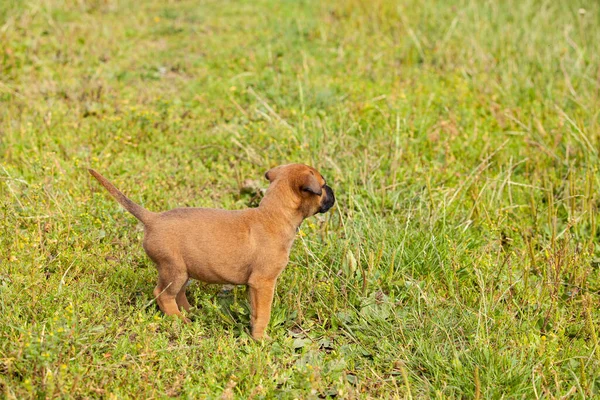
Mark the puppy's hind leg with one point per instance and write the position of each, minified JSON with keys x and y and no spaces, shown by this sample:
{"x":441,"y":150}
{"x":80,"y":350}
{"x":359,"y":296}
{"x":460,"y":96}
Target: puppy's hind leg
{"x":170,"y":284}
{"x":182,"y":300}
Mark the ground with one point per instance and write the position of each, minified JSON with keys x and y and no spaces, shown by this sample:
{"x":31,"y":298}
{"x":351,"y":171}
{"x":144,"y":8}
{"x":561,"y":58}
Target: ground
{"x":462,"y":259}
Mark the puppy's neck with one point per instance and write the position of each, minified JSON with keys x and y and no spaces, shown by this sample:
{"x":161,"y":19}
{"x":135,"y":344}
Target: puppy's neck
{"x":278,"y":206}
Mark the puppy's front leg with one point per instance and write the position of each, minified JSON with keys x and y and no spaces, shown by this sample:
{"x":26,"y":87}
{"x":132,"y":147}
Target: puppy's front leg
{"x":261,"y":298}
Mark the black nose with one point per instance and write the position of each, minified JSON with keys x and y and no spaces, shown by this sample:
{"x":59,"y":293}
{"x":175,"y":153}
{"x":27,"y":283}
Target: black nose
{"x":329,"y":200}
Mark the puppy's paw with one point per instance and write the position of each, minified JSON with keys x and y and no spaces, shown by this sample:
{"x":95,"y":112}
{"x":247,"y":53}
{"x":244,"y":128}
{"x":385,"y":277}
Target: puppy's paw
{"x":182,"y":318}
{"x":261,"y":337}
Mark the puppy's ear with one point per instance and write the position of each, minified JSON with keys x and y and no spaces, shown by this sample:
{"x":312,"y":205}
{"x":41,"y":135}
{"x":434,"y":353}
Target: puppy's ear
{"x":310,"y":184}
{"x":271,"y":174}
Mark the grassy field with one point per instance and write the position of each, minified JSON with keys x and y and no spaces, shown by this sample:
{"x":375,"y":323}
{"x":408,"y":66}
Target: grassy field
{"x":462,"y":259}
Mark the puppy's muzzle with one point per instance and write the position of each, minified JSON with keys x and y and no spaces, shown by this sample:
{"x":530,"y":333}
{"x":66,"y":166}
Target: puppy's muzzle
{"x":328,"y":200}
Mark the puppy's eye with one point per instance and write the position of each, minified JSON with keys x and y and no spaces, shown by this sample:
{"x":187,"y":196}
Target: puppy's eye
{"x":309,"y":190}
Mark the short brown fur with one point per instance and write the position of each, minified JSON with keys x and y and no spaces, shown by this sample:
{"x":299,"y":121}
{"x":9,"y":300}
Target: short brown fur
{"x":249,"y":247}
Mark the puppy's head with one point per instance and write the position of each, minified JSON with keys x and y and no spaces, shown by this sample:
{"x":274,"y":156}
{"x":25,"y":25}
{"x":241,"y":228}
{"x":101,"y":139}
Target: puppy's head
{"x":306,"y":185}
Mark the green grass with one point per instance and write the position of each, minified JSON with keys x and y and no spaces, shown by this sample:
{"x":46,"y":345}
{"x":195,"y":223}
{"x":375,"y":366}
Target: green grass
{"x":462,"y":259}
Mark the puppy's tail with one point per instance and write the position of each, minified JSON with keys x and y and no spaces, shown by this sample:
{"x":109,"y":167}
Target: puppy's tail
{"x":138,"y":211}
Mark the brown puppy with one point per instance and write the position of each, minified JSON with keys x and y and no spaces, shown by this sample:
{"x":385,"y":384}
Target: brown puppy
{"x":247,"y":247}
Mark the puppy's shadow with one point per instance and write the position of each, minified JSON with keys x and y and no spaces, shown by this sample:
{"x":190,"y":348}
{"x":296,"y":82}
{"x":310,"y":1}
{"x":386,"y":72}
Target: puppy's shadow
{"x":226,"y":306}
